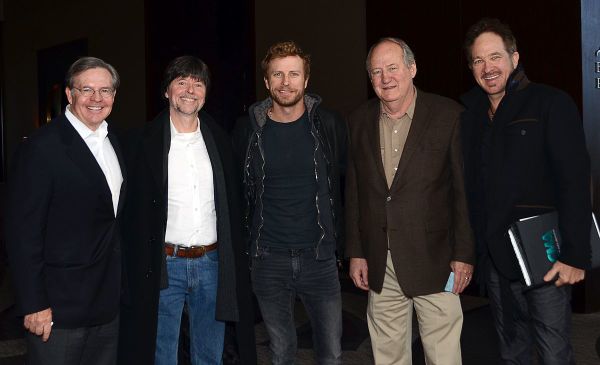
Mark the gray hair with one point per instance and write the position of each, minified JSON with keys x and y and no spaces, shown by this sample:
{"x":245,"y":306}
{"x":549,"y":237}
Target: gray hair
{"x":409,"y":56}
{"x":87,"y":63}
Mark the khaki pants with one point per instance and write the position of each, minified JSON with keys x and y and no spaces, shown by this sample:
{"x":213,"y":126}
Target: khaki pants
{"x":389,"y":317}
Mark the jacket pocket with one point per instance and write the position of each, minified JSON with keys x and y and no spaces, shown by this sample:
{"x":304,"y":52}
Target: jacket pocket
{"x":523,"y":120}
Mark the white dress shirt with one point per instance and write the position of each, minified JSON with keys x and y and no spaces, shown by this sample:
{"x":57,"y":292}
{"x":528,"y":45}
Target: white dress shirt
{"x":191,"y":216}
{"x":100,"y":146}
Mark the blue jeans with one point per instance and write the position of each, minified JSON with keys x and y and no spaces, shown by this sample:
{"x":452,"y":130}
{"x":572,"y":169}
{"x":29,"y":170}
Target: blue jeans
{"x":193,"y":282}
{"x":540,"y":317}
{"x":278,"y":276}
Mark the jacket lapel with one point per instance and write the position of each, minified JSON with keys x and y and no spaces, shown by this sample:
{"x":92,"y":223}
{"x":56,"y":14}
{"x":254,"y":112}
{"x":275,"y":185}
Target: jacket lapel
{"x":157,"y":142}
{"x":219,"y":179}
{"x":83,"y":158}
{"x":418,"y":127}
{"x":117,"y":147}
{"x":215,"y":158}
{"x":372,"y":129}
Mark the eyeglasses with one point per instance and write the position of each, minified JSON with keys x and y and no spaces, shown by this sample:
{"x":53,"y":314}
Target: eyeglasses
{"x":105,"y":92}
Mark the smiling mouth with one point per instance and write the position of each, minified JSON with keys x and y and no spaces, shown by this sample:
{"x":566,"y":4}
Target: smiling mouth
{"x":95,"y":108}
{"x":491,"y":76}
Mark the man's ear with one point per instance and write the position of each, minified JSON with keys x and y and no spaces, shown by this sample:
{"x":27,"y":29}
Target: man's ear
{"x":413,"y":70}
{"x":69,"y":96}
{"x":515,"y":58}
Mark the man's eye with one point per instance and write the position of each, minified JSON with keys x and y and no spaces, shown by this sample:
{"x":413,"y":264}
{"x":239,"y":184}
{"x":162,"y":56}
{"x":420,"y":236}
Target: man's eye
{"x":393,"y":69}
{"x":375,"y":72}
{"x":87,"y":90}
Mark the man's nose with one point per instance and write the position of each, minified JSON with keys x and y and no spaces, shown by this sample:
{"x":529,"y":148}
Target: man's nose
{"x":385,"y":77}
{"x":486,"y":66}
{"x":96,"y":96}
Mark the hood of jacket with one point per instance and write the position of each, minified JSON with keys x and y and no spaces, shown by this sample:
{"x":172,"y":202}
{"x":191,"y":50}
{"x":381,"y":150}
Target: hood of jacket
{"x":258,"y":110}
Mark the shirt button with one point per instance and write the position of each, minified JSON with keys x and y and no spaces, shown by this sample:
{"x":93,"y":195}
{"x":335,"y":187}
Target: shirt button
{"x":395,"y":150}
{"x":395,"y":131}
{"x":389,"y":198}
{"x":395,"y":168}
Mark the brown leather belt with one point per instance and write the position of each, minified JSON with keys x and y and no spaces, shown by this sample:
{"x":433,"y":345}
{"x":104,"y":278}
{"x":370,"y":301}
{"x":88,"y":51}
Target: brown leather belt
{"x":190,"y":252}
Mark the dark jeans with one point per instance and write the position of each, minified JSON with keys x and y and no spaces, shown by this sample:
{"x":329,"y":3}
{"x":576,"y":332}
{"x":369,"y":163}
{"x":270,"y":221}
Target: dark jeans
{"x":96,"y":345}
{"x":540,"y":317}
{"x":278,"y":276}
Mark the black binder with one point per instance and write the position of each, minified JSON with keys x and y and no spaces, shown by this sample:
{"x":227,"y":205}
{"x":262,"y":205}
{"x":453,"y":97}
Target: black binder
{"x":536,"y":242}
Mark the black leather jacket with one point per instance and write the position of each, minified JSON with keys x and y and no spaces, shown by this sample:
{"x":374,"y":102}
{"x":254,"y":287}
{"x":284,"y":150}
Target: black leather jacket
{"x":329,"y":130}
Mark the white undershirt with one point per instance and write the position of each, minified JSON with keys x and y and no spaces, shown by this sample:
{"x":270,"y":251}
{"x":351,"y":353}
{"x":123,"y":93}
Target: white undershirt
{"x":191,"y":217}
{"x":104,"y":153}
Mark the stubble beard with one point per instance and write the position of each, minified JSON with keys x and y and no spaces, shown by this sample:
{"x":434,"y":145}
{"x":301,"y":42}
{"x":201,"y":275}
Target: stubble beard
{"x":286,"y":103}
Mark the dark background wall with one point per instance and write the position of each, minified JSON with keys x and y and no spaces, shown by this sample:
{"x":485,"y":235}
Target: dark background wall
{"x":31,"y":27}
{"x":218,"y":32}
{"x":548,"y":36}
{"x":332,"y":32}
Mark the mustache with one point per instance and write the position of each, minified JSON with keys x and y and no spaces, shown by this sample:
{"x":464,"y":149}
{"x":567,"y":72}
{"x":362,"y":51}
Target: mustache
{"x":491,"y":73}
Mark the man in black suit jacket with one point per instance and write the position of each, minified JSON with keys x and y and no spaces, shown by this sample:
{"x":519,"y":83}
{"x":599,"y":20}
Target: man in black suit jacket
{"x":181,"y":228}
{"x":62,"y":233}
{"x":524,"y":155}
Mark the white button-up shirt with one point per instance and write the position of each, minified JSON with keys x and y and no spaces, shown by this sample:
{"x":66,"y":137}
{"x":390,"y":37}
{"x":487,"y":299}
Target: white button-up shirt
{"x":191,"y":217}
{"x":104,"y":153}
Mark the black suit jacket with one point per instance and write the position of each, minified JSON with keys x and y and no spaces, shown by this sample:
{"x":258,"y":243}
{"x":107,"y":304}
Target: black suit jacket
{"x":144,"y":227}
{"x":62,"y":235}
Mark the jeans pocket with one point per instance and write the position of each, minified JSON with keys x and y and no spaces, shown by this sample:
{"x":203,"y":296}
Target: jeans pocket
{"x":213,"y":255}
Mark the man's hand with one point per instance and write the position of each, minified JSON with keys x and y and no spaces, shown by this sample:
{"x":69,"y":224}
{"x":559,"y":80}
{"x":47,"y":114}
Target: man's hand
{"x":566,"y":274}
{"x":462,"y":275}
{"x":359,"y":272}
{"x":39,"y":323}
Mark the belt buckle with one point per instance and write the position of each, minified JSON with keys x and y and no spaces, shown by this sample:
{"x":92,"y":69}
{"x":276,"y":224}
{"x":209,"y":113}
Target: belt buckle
{"x":202,"y":251}
{"x":175,"y":250}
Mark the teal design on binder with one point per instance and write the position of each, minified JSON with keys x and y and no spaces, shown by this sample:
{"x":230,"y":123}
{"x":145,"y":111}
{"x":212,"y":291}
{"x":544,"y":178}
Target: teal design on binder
{"x":551,"y":245}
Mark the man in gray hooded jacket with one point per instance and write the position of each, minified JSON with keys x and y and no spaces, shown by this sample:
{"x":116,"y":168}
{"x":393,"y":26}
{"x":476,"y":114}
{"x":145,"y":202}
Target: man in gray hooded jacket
{"x":293,"y":153}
